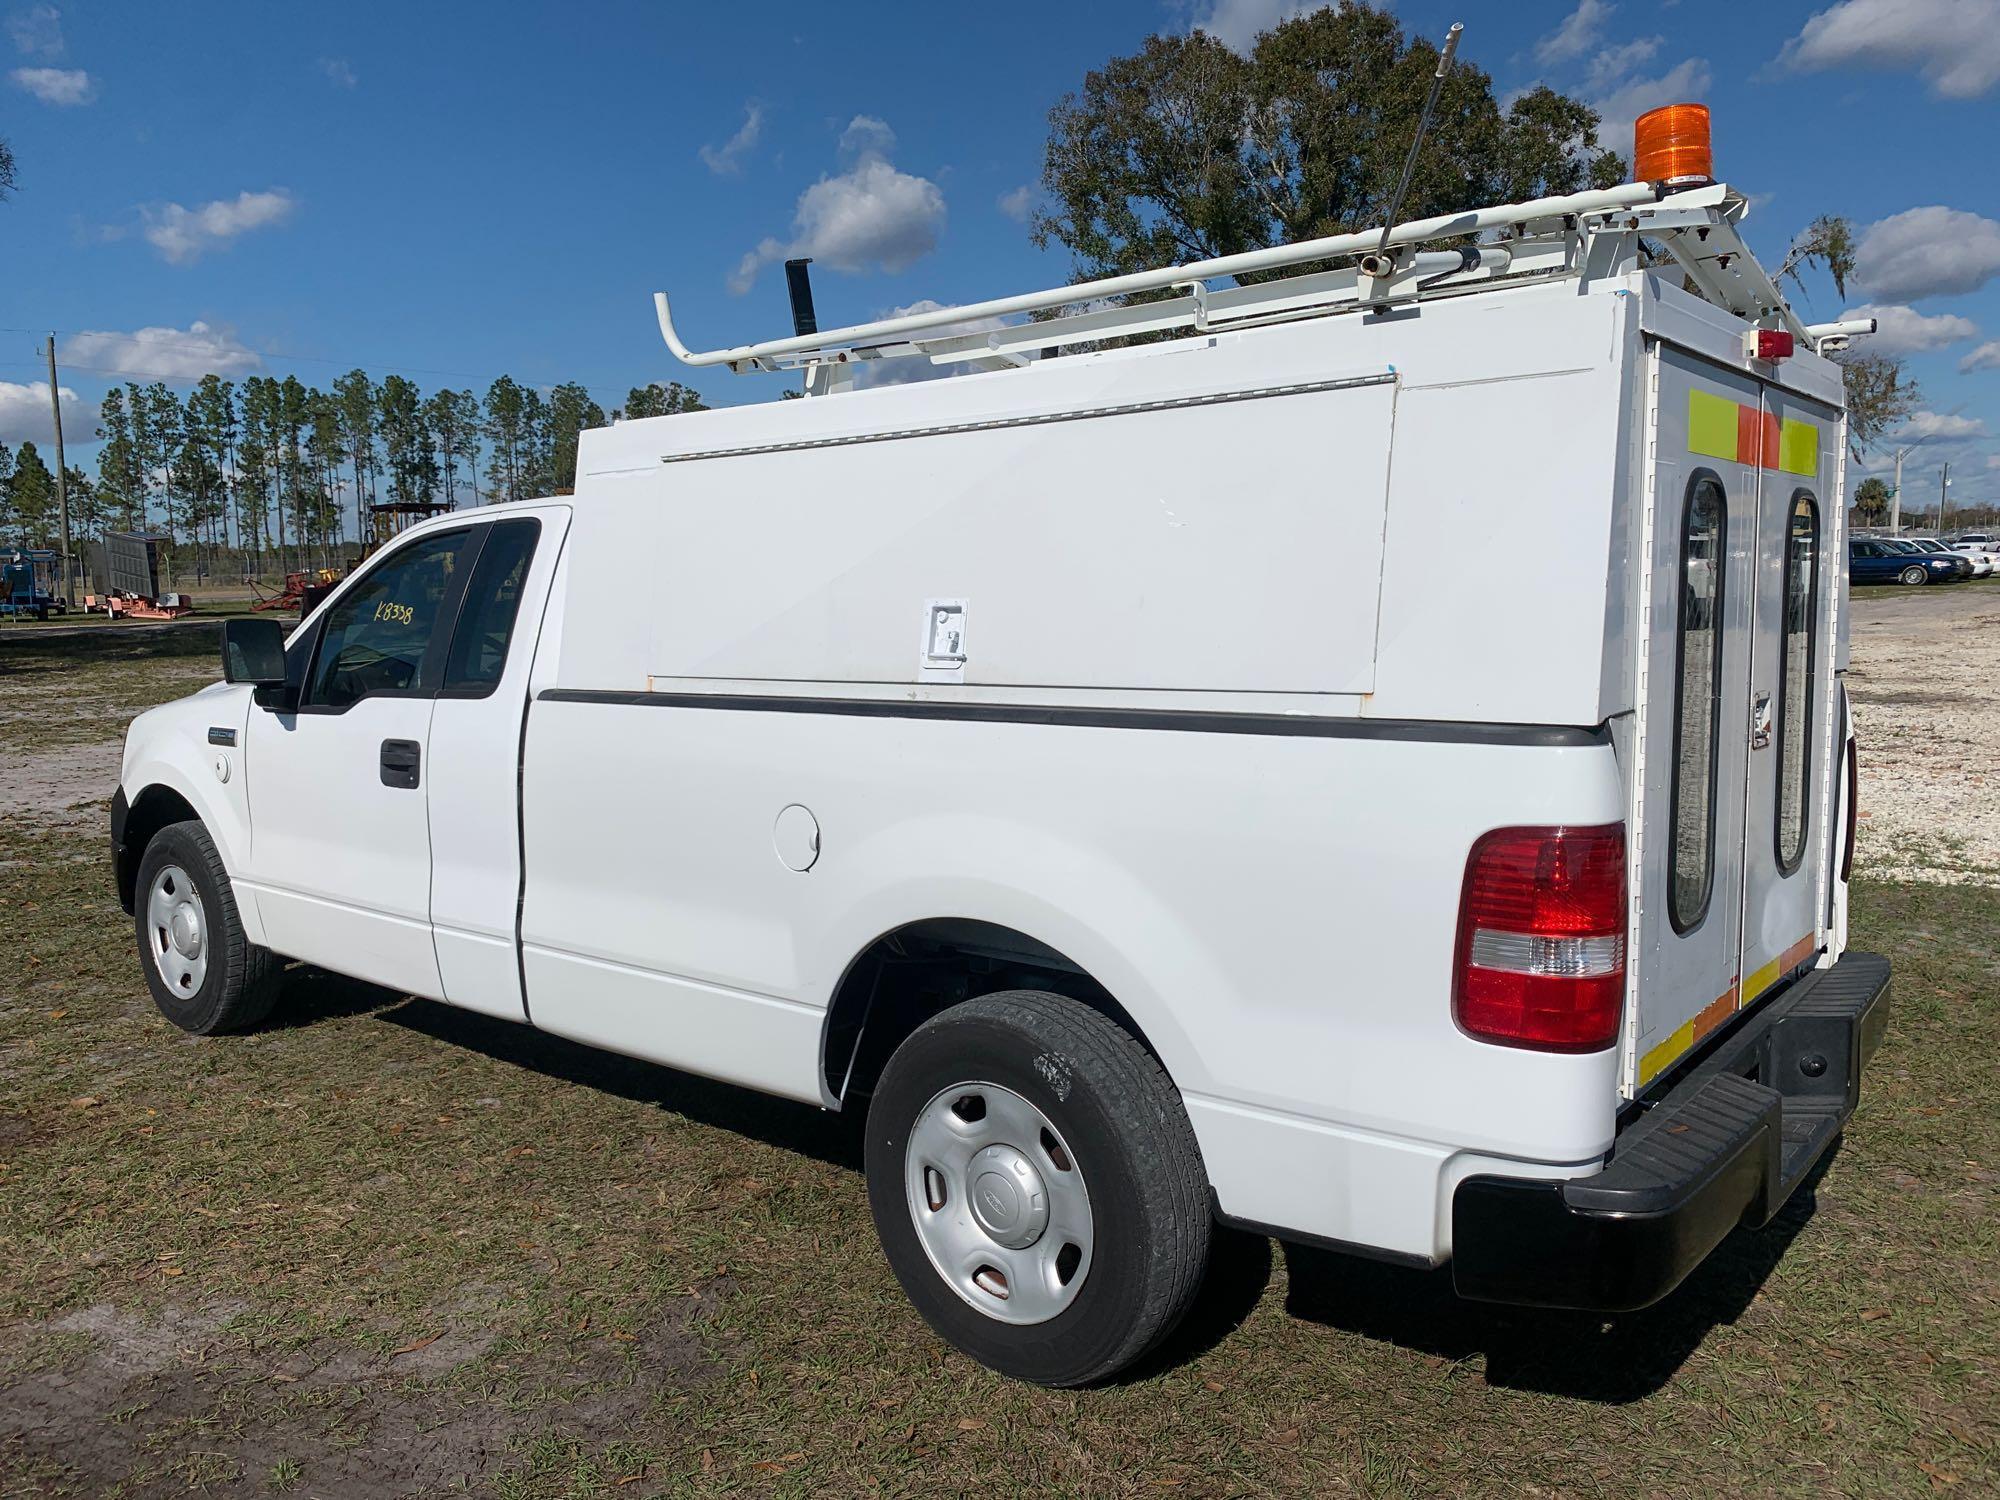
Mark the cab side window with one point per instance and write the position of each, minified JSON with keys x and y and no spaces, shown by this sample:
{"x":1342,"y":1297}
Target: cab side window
{"x":492,"y":601}
{"x":383,"y":637}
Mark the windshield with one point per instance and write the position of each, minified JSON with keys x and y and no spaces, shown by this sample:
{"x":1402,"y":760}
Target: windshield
{"x":1897,"y":544}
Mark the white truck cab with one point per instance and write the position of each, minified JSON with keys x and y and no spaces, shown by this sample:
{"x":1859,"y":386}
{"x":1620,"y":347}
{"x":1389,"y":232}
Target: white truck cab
{"x":1092,"y":768}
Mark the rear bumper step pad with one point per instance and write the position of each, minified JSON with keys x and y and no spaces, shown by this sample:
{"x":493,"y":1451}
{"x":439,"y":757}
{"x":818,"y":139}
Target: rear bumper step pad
{"x":1727,"y":1145}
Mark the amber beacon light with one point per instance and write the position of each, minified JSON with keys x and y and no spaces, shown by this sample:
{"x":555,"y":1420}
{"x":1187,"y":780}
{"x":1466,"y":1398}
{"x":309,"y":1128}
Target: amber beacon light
{"x":1670,"y":145}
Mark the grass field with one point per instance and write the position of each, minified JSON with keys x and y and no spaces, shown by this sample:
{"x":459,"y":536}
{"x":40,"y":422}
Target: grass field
{"x":385,"y":1247}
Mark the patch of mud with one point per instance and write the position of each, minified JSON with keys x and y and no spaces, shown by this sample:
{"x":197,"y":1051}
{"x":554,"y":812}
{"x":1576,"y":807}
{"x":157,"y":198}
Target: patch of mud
{"x":64,"y":788}
{"x":158,"y":1407}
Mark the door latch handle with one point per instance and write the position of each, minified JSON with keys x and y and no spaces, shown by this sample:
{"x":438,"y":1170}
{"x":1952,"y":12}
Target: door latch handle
{"x":1760,"y":722}
{"x":401,"y":760}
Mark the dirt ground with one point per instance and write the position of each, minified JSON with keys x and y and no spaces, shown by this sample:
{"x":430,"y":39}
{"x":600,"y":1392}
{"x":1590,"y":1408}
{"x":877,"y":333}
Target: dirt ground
{"x":385,"y":1248}
{"x":1925,"y":679}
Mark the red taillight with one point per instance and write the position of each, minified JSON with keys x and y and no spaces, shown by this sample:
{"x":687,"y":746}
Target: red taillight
{"x":1541,"y":938}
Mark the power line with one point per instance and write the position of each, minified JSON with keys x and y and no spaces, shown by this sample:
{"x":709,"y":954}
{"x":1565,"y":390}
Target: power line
{"x":220,"y":350}
{"x":182,"y":375}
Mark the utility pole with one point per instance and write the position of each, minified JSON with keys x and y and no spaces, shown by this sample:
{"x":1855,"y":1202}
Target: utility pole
{"x":62,"y":480}
{"x":1896,"y":495}
{"x":1944,"y":488}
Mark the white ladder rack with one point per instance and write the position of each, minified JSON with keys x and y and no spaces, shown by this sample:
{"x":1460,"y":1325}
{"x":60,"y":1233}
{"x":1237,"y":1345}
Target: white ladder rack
{"x":1591,"y":235}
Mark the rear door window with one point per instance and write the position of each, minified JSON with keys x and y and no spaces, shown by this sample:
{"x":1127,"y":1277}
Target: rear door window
{"x":1796,"y":678}
{"x":1697,"y":700}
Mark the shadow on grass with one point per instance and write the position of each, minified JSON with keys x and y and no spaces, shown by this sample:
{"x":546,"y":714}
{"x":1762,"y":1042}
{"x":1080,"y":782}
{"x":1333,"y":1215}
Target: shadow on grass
{"x":804,"y":1128}
{"x":46,"y":648}
{"x":1607,"y":1358}
{"x":1611,"y":1358}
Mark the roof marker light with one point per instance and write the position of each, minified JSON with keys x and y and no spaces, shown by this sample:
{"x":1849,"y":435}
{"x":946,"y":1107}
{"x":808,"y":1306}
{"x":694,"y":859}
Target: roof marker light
{"x":1670,"y":145}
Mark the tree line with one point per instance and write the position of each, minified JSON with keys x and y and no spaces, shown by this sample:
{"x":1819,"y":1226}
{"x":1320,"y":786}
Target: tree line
{"x":271,"y":470}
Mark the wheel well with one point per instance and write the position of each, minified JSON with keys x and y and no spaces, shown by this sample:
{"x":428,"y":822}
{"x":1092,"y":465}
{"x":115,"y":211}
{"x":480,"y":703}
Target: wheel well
{"x":156,"y":808}
{"x":907,"y":976}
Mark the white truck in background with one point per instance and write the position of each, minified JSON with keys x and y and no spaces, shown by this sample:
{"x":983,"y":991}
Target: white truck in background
{"x":1092,"y":768}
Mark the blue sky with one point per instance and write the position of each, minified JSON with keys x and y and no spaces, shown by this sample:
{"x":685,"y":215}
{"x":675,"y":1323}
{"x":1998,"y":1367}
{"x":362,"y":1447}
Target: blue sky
{"x":455,"y":190}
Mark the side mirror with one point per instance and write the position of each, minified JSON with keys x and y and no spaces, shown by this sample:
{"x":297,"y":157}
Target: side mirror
{"x":253,"y":651}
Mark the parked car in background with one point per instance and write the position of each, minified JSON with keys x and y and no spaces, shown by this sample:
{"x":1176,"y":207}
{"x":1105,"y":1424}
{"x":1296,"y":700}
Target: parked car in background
{"x":1984,"y":540}
{"x":1887,"y":559}
{"x":1932,"y":548}
{"x":1983,"y":561}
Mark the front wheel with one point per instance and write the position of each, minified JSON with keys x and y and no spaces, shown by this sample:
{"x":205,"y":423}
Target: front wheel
{"x":205,"y":975}
{"x":1037,"y":1187}
{"x":1912,"y":576}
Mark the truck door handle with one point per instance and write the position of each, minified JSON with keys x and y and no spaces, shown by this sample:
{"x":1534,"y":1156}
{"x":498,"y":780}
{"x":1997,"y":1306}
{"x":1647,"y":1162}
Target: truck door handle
{"x":400,"y":762}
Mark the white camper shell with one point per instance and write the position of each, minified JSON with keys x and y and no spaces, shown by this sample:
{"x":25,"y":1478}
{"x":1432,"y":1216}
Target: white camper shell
{"x":1092,"y":767}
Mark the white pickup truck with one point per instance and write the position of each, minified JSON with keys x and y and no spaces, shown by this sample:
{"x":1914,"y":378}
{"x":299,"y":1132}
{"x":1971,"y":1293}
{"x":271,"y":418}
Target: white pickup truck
{"x":1090,"y":767}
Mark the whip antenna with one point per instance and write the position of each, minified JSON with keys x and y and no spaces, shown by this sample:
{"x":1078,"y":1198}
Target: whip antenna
{"x":1445,"y":54}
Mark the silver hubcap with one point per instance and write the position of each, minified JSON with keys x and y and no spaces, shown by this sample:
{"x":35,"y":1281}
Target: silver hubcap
{"x":999,"y":1202}
{"x":177,"y":930}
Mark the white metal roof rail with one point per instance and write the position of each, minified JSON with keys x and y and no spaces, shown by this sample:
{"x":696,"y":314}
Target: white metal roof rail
{"x":829,"y":342}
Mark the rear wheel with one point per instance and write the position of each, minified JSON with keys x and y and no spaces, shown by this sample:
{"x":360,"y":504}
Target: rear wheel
{"x":205,"y":975}
{"x":1037,"y":1187}
{"x":1912,"y":576}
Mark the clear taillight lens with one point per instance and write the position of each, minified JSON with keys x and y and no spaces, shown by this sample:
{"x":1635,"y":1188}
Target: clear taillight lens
{"x":1541,"y":938}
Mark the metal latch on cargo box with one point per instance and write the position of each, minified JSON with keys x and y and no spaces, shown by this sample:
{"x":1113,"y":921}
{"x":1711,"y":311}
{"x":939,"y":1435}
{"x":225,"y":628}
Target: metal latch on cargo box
{"x":1760,"y":722}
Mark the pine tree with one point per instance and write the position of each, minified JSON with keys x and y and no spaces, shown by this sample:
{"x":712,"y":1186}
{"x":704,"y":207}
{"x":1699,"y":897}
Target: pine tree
{"x":658,"y":400}
{"x":506,"y":427}
{"x":570,"y":411}
{"x":119,"y":491}
{"x":31,"y":497}
{"x":356,"y":400}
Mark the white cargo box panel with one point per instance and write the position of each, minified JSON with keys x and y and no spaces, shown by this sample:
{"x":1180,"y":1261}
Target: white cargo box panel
{"x":1155,"y":522}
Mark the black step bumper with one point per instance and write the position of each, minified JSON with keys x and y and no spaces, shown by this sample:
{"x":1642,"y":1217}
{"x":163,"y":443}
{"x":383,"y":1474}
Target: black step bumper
{"x":1725,"y":1146}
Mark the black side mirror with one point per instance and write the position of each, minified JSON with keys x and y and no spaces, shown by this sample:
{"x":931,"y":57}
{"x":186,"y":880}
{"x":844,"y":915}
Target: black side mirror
{"x":253,"y":651}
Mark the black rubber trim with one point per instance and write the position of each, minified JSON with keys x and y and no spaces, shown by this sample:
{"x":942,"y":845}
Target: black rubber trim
{"x":1307,"y":726}
{"x":1727,"y":1146}
{"x":1319,"y":1241}
{"x":122,"y":871}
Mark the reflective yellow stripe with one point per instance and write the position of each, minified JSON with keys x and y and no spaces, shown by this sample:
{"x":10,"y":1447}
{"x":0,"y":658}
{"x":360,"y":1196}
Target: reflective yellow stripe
{"x":1711,"y":425}
{"x":1665,"y":1054}
{"x":1798,"y":448}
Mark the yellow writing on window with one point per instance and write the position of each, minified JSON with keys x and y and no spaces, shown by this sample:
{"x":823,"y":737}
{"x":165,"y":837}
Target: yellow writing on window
{"x":394,"y":613}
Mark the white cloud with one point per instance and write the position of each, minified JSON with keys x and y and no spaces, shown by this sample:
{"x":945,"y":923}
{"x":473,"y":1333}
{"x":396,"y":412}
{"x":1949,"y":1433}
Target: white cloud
{"x":183,"y":234}
{"x":1238,"y":23}
{"x":866,"y":136}
{"x":162,"y":353}
{"x":59,"y":86}
{"x":1614,"y":63}
{"x":37,"y":31}
{"x":1927,"y":252}
{"x":339,"y":72}
{"x":1922,"y":424}
{"x":1953,"y":44}
{"x":25,"y":417}
{"x":911,"y":368}
{"x":1019,"y":205}
{"x":1619,"y":106}
{"x":1577,"y":34}
{"x":1985,"y":357}
{"x":1903,"y":330}
{"x":726,"y":160}
{"x":870,"y":217}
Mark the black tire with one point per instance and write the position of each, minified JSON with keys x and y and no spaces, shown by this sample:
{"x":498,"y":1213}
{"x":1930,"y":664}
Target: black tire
{"x":241,"y":979}
{"x":1124,"y":1123}
{"x":1912,"y":576}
